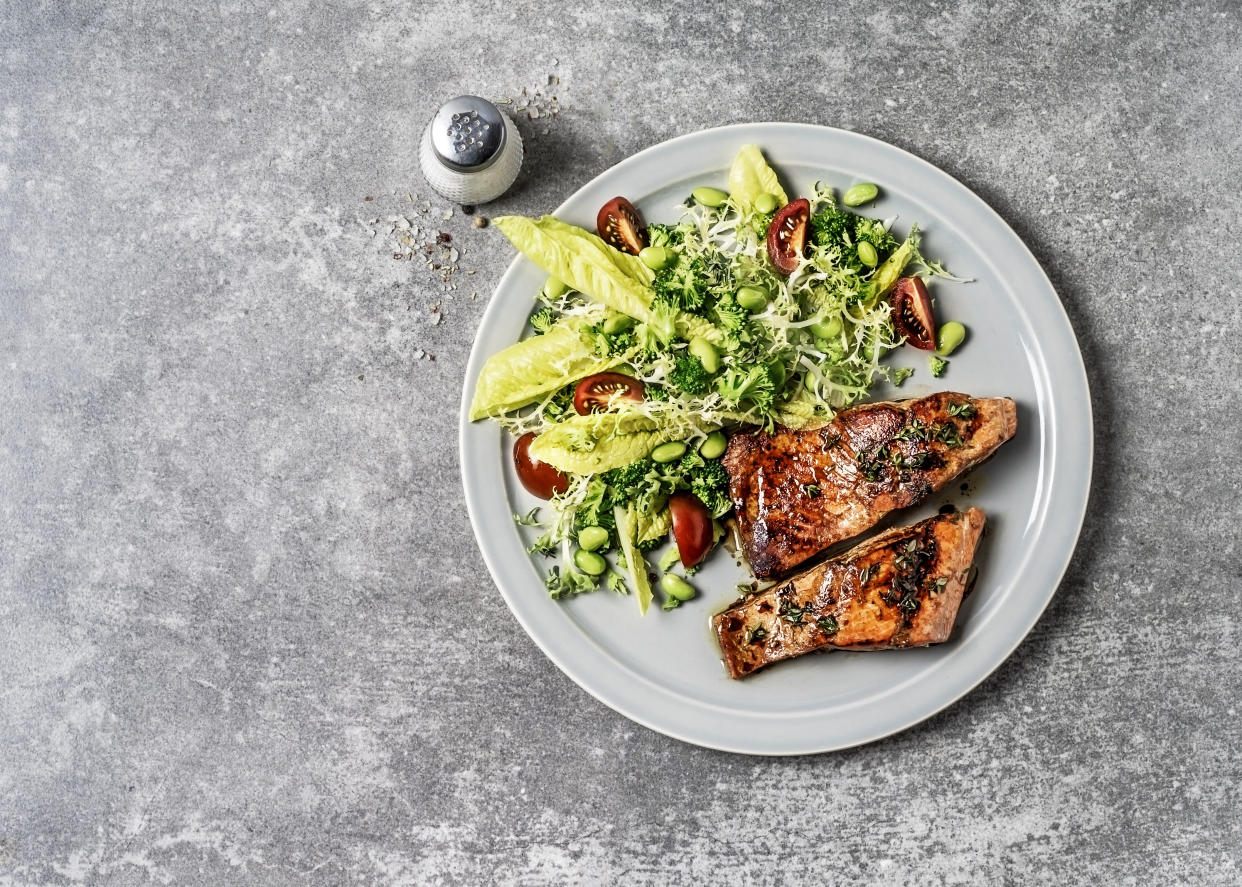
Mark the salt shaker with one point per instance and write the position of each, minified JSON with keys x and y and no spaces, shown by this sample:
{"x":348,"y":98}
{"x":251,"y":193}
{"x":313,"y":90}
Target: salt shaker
{"x":471,"y":152}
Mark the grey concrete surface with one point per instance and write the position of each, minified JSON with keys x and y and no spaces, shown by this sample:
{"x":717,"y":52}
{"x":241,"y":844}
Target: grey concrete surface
{"x":247,"y":636}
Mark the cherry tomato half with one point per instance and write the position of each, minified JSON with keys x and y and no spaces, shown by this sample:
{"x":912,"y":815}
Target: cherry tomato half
{"x":620,"y":225}
{"x":539,"y":478}
{"x":692,"y":527}
{"x":912,"y":313}
{"x":787,"y":235}
{"x":596,"y":392}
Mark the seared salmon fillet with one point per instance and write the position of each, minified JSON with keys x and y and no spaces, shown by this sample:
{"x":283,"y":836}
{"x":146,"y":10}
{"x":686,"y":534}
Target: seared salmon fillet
{"x":901,"y":588}
{"x":796,"y":493}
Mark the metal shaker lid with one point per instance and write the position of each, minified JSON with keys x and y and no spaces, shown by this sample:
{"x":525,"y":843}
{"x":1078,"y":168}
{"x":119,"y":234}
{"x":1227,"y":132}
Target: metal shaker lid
{"x":468,"y":133}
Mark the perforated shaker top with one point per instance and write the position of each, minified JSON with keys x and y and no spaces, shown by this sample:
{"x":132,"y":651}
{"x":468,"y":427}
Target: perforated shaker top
{"x":468,"y":133}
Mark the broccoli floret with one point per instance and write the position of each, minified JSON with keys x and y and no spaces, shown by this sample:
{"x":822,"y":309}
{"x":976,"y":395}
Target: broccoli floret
{"x":626,"y":482}
{"x":682,"y":285}
{"x":543,"y":319}
{"x":694,"y":284}
{"x":832,"y":226}
{"x":873,"y":231}
{"x":756,"y":385}
{"x":665,"y":235}
{"x":828,"y":227}
{"x":900,"y":374}
{"x":689,"y":376}
{"x":609,"y":344}
{"x":711,"y":484}
{"x":730,"y":316}
{"x":938,"y":365}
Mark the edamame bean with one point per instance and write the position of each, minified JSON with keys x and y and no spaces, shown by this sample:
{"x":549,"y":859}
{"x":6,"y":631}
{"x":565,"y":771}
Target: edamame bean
{"x":676,"y":587}
{"x":767,"y":203}
{"x":592,"y":538}
{"x":554,"y":288}
{"x":863,"y":192}
{"x":709,"y":196}
{"x":714,"y":446}
{"x":867,"y":254}
{"x":590,"y":563}
{"x":705,"y":351}
{"x":616,"y":322}
{"x":949,"y":336}
{"x":827,"y":328}
{"x":667,"y":452}
{"x":752,"y":299}
{"x":656,"y":257}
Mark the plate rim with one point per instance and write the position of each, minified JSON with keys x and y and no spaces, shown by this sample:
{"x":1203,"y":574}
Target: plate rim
{"x":1074,"y":358}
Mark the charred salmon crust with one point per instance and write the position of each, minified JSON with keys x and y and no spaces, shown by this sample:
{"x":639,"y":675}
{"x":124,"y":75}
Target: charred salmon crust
{"x":797,"y":493}
{"x":901,"y":588}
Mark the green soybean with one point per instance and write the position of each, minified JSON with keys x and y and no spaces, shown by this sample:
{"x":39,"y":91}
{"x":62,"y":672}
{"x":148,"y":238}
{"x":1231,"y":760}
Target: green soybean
{"x":949,"y":336}
{"x":554,"y":288}
{"x":867,"y":254}
{"x":705,"y":351}
{"x":590,"y":563}
{"x":676,"y":587}
{"x":667,"y":452}
{"x":709,"y":196}
{"x":863,"y":192}
{"x":714,"y":446}
{"x":616,"y":322}
{"x":592,"y":538}
{"x":827,"y":328}
{"x":656,"y":257}
{"x":766,"y":203}
{"x":752,"y":299}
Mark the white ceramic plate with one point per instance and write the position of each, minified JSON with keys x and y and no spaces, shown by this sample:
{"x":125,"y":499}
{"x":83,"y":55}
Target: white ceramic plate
{"x":663,"y":670}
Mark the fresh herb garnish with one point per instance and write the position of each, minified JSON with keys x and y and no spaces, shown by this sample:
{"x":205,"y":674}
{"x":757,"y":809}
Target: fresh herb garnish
{"x":812,"y":491}
{"x":948,"y":434}
{"x":790,"y":613}
{"x":828,"y":624}
{"x":757,"y":635}
{"x":965,"y":410}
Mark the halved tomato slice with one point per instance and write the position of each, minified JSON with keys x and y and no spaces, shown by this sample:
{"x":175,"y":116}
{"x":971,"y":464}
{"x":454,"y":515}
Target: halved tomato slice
{"x":692,"y":527}
{"x":620,"y":225}
{"x":787,"y":235}
{"x":912,"y":313}
{"x":539,"y":478}
{"x":597,"y":392}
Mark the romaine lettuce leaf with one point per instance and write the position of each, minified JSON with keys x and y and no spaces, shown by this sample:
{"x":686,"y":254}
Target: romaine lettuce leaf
{"x":534,"y":368}
{"x":887,"y":275}
{"x":635,"y":564}
{"x":751,"y":176}
{"x":599,"y":441}
{"x":586,"y":263}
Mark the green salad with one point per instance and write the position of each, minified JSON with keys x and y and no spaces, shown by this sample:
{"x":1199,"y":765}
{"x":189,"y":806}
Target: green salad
{"x":649,"y":343}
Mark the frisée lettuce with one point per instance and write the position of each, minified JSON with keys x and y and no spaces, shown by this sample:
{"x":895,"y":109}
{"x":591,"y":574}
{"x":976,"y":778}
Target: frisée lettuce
{"x":711,"y":336}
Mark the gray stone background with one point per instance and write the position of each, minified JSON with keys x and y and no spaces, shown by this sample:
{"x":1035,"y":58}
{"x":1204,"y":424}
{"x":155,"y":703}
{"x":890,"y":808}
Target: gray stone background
{"x":247,"y":636}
